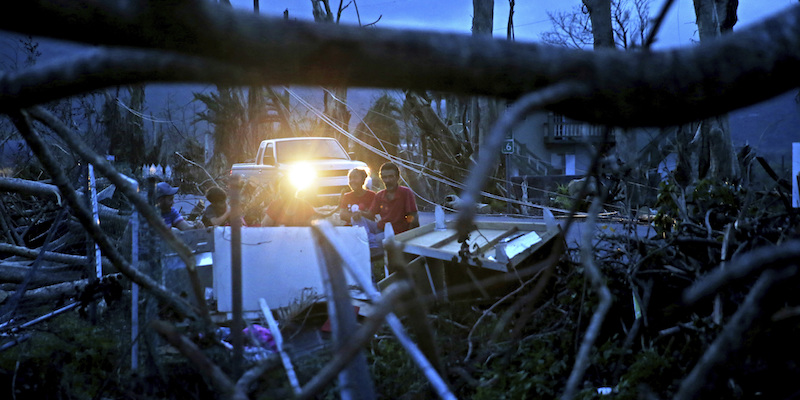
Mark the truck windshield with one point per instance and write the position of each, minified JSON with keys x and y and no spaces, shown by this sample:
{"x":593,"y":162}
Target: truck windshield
{"x":305,"y":150}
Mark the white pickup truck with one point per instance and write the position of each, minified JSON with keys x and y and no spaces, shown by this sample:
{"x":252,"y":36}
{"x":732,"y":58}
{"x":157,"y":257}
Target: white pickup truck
{"x":323,"y":160}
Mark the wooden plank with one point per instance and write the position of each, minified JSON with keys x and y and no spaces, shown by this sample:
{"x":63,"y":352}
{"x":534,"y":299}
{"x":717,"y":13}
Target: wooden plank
{"x":445,"y":241}
{"x":449,"y":256}
{"x":410,"y":234}
{"x":434,"y":238}
{"x":523,"y":226}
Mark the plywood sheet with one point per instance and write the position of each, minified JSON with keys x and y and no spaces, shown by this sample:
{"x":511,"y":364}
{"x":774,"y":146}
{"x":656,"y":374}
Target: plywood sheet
{"x":278,"y":263}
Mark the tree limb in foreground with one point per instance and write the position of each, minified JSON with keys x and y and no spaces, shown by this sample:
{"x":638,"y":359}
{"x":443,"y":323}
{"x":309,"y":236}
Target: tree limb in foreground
{"x":140,"y":204}
{"x":639,"y":88}
{"x":38,"y":147}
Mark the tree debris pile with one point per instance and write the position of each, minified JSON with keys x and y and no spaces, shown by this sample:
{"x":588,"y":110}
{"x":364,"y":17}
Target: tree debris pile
{"x":699,"y":308}
{"x":46,"y":257}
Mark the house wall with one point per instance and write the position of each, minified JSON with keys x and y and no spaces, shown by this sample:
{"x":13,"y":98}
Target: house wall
{"x":543,"y":160}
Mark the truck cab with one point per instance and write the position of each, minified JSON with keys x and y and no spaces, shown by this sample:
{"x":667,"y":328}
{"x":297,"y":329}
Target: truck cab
{"x":322,"y":161}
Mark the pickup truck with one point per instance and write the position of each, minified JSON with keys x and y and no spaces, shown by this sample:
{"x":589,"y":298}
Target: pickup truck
{"x":325,"y":161}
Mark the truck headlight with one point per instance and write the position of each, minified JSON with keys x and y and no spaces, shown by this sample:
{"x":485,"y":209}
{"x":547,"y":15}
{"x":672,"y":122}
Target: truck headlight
{"x":302,"y":175}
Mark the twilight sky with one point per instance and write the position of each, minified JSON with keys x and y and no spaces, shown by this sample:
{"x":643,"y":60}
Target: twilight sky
{"x":530,"y":16}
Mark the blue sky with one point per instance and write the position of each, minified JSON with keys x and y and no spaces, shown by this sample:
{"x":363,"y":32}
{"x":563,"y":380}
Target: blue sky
{"x":530,"y":16}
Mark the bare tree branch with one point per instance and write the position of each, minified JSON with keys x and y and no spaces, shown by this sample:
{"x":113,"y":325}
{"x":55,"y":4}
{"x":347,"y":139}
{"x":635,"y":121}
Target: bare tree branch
{"x":49,"y":255}
{"x":84,"y":217}
{"x":480,"y":173}
{"x":18,"y":185}
{"x":439,"y":385}
{"x":216,"y":376}
{"x":628,"y":89}
{"x":388,"y":302}
{"x":730,"y":339}
{"x":597,"y":281}
{"x":138,"y":201}
{"x":750,"y":263}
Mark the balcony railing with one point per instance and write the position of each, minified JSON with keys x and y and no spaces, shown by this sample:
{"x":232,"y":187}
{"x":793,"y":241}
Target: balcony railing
{"x":562,"y":130}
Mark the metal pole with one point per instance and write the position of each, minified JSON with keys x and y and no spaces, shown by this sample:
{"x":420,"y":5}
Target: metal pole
{"x":91,"y":249}
{"x":134,"y":286}
{"x":508,"y":183}
{"x":98,"y":264}
{"x":236,"y":276}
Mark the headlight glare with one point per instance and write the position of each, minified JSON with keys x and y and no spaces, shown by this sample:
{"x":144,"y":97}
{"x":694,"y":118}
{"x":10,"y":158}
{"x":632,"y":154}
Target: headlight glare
{"x":302,"y":175}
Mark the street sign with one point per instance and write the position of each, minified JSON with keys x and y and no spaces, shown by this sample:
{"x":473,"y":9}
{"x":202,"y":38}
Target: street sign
{"x":508,"y":146}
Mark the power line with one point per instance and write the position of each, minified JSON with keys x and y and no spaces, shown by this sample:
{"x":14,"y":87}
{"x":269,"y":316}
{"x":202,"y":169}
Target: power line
{"x":525,"y":24}
{"x":408,"y":165}
{"x":141,"y":115}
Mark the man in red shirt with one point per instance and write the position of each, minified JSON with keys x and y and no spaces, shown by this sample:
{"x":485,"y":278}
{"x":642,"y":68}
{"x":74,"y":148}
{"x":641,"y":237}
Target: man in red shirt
{"x":396,"y":204}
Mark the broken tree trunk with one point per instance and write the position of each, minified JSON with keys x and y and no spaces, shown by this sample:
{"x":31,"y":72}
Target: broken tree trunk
{"x":59,"y":291}
{"x":15,"y":272}
{"x":48,"y":255}
{"x":24,"y":186}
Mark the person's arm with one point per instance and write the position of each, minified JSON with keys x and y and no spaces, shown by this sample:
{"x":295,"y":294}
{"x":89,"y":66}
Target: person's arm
{"x":413,"y":219}
{"x":413,"y":215}
{"x":267,"y":221}
{"x":368,"y":214}
{"x":371,"y":212}
{"x":344,"y":209}
{"x":184,"y":226}
{"x":217,"y":221}
{"x":345,"y":214}
{"x":272,"y":214}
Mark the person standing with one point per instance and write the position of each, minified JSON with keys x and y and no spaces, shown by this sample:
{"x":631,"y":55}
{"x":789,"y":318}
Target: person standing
{"x":358,"y":195}
{"x":351,"y":203}
{"x":396,"y":204}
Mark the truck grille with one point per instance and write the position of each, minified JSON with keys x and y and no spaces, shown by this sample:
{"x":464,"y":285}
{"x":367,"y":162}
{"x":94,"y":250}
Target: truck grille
{"x":332,"y":173}
{"x":332,"y":190}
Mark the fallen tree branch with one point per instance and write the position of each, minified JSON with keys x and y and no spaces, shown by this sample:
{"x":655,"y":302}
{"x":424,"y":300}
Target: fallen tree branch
{"x":25,"y":186}
{"x":593,"y":330}
{"x":216,"y":376}
{"x":48,"y":255}
{"x":641,"y":88}
{"x":490,"y":310}
{"x":51,"y":293}
{"x":356,"y":342}
{"x":107,"y":214}
{"x":730,"y":339}
{"x":84,"y":217}
{"x":439,"y":385}
{"x":10,"y":273}
{"x":747,"y":264}
{"x":123,"y":184}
